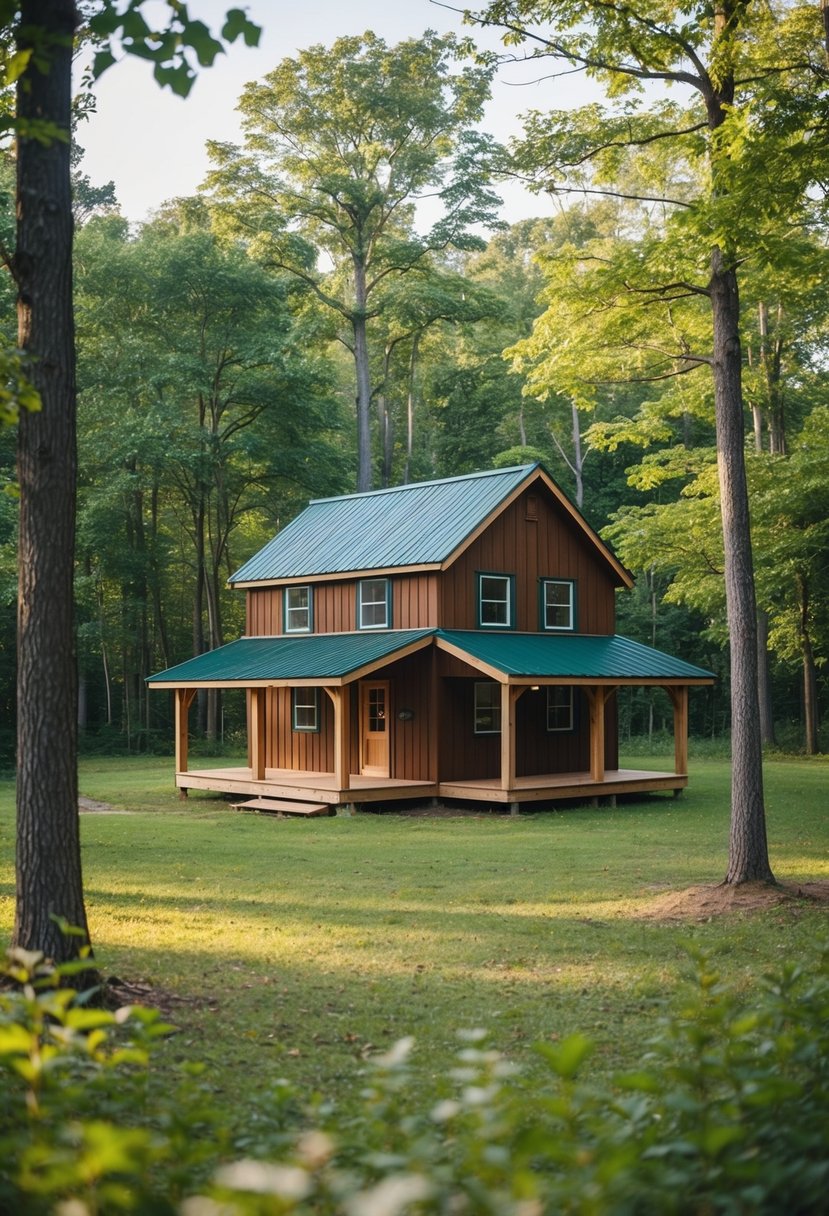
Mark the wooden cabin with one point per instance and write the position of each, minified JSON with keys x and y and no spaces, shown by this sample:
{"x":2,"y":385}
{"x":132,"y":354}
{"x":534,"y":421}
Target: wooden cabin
{"x":447,"y":639}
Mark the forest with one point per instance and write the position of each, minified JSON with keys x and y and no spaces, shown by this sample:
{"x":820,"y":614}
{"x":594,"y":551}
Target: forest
{"x":341,"y":307}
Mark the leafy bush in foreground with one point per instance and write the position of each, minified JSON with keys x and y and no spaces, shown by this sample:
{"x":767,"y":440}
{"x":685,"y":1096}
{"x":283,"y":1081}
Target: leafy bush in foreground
{"x":728,"y":1113}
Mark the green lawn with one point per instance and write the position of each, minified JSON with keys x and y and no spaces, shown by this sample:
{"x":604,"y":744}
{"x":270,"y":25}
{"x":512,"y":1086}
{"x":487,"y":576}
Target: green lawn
{"x":303,"y":946}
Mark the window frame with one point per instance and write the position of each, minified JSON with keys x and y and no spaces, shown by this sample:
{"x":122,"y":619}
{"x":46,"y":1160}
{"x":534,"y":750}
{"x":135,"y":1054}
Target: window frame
{"x":544,"y":583}
{"x":494,"y":709}
{"x":509,"y":601}
{"x":561,"y":730}
{"x":313,"y":703}
{"x":361,"y":605}
{"x":287,"y":609}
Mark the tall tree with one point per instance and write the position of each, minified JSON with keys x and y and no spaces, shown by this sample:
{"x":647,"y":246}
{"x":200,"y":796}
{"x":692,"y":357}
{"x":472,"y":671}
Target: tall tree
{"x":757,"y":128}
{"x":341,"y":144}
{"x":48,"y":865}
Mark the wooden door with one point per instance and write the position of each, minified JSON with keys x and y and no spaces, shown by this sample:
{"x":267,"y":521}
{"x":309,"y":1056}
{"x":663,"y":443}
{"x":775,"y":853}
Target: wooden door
{"x":375,"y":724}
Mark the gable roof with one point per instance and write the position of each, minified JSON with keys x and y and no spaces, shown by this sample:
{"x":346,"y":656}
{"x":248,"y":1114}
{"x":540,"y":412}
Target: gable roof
{"x":425,"y":525}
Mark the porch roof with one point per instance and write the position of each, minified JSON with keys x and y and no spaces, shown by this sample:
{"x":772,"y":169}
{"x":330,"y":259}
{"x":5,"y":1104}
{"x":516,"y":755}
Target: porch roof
{"x":322,"y":658}
{"x":575,"y":657}
{"x":339,"y":658}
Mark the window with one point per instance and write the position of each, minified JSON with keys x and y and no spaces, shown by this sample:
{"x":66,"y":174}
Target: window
{"x":374,"y":604}
{"x":560,"y":707}
{"x":487,"y":708}
{"x":495,"y":600}
{"x":306,"y":709}
{"x":558,"y":604}
{"x":298,"y":609}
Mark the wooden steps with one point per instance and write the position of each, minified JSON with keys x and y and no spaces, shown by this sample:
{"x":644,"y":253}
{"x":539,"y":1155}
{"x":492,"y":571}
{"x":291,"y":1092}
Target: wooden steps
{"x":280,"y":806}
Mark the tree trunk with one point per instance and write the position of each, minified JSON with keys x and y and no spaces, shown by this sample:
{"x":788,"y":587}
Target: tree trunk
{"x":364,"y":473}
{"x":748,"y":848}
{"x":48,"y":859}
{"x":410,"y":407}
{"x":809,"y":672}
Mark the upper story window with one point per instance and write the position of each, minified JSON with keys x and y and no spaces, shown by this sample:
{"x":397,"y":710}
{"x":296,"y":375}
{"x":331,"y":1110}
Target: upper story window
{"x":496,"y":601}
{"x":374,"y":603}
{"x":299,"y":605}
{"x":558,"y":604}
{"x":560,"y":707}
{"x":487,"y":708}
{"x":306,"y":709}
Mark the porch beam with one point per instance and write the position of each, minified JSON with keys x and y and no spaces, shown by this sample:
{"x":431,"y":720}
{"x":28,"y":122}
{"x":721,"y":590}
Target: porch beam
{"x":256,"y":733}
{"x":184,"y":699}
{"x":679,"y":697}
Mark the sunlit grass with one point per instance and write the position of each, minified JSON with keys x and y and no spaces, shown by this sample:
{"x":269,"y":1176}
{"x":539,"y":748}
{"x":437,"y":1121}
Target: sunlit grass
{"x":303,"y":946}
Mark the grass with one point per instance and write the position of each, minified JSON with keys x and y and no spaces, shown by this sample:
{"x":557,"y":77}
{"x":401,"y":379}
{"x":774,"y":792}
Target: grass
{"x":301,"y":947}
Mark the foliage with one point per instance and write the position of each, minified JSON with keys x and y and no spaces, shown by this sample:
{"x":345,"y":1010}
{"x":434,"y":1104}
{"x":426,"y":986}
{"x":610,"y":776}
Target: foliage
{"x":728,"y":1111}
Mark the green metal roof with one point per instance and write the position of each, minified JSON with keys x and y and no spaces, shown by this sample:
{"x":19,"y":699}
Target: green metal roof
{"x":320,"y":657}
{"x":414,"y":525}
{"x":571,"y":656}
{"x":331,"y":656}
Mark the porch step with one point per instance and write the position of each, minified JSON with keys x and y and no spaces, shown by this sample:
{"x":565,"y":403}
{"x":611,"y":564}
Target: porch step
{"x":279,"y":806}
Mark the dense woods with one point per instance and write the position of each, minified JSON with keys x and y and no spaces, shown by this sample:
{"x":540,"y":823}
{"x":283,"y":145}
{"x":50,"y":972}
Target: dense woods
{"x":298,"y":330}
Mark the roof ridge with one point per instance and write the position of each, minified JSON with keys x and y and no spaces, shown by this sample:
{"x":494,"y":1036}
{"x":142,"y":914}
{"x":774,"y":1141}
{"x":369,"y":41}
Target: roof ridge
{"x":437,"y":481}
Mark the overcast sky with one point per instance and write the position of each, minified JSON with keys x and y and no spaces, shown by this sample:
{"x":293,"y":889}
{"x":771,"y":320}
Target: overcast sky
{"x":151,"y":143}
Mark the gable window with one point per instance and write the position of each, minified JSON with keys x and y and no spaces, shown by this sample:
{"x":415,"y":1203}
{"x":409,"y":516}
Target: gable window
{"x":487,"y":708}
{"x":496,"y":595}
{"x":305,"y":707}
{"x":560,"y":707}
{"x":374,"y":603}
{"x":558,"y":604}
{"x":298,"y":609}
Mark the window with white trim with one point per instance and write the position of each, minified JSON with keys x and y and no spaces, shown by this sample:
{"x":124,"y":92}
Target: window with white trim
{"x":298,"y":609}
{"x":558,"y":603}
{"x":495,"y":601}
{"x":374,"y":603}
{"x":560,"y":707}
{"x":487,"y":708}
{"x":305,"y":707}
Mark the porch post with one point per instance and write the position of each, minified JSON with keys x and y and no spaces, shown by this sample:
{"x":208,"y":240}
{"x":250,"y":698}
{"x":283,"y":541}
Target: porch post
{"x":509,"y":699}
{"x":184,"y":699}
{"x":256,"y":733}
{"x":679,"y":697}
{"x":341,"y":698}
{"x":596,"y":698}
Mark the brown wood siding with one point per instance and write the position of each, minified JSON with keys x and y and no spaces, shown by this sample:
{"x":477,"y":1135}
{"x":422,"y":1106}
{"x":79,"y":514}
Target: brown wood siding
{"x":414,"y":606}
{"x":295,"y":749}
{"x":547,"y":547}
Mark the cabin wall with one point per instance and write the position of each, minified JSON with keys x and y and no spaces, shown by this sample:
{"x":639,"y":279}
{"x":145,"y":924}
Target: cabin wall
{"x":533,"y":538}
{"x":414,"y":606}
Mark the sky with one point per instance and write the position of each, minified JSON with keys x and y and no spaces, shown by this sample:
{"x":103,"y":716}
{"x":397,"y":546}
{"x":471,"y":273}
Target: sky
{"x":152,"y":144}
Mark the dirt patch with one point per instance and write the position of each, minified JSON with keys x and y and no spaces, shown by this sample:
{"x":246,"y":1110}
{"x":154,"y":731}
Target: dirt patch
{"x":89,"y":806}
{"x":701,"y":903}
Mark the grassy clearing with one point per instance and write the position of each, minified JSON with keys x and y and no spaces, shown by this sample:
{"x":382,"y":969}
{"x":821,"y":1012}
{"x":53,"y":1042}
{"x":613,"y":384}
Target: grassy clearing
{"x":302,"y":947}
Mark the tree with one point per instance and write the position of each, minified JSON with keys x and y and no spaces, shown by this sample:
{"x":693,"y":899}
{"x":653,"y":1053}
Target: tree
{"x":48,"y":865}
{"x":757,"y":131}
{"x":341,"y":144}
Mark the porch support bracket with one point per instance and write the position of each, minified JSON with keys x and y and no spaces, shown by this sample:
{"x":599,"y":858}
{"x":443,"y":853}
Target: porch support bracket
{"x":510,"y":694}
{"x":184,"y":699}
{"x":597,"y":698}
{"x":341,"y":698}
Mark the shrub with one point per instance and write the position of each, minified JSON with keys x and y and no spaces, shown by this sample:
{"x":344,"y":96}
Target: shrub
{"x":728,"y":1113}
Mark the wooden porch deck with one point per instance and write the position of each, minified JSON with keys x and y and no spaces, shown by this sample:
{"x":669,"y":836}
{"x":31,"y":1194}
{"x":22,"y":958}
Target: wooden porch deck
{"x":322,"y":787}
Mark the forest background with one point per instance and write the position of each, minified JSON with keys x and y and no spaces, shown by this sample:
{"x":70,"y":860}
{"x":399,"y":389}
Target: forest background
{"x":219,"y":347}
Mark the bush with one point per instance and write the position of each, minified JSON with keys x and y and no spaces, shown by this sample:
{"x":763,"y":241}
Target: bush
{"x":728,"y":1113}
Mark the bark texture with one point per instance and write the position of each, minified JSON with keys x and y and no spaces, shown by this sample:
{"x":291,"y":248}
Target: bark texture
{"x":748,"y":848}
{"x":48,"y":861}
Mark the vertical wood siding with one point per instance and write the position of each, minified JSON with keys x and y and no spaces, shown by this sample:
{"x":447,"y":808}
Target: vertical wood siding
{"x":414,"y":606}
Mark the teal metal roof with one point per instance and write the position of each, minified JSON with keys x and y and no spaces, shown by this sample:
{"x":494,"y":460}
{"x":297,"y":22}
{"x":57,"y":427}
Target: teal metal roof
{"x":414,"y":525}
{"x":328,"y":656}
{"x":571,"y":656}
{"x":320,"y":657}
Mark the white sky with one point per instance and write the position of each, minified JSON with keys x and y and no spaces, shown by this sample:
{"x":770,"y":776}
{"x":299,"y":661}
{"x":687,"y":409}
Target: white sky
{"x":152,"y":144}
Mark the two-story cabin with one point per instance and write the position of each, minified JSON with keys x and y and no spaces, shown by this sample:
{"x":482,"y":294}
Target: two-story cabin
{"x":451,"y":639}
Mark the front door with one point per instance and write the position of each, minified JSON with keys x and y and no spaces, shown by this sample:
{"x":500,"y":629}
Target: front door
{"x":374,"y":728}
